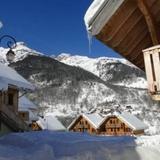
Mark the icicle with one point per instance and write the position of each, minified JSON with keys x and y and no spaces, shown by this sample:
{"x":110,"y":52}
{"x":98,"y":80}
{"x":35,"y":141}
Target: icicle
{"x":89,"y":42}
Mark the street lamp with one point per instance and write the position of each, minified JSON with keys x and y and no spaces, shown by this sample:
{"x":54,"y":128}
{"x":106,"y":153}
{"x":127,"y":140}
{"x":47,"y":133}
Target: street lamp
{"x":11,"y":43}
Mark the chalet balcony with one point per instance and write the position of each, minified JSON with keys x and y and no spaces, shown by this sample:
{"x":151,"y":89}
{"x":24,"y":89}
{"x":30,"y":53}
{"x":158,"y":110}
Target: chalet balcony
{"x":114,"y":125}
{"x":12,"y":119}
{"x":152,"y":67}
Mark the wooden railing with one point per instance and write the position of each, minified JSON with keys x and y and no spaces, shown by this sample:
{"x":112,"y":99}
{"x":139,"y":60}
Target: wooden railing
{"x":114,"y":125}
{"x":12,"y":119}
{"x":152,"y":68}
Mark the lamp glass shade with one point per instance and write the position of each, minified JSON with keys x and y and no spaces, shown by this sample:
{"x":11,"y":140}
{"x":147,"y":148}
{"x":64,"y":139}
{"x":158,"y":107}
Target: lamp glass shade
{"x":10,"y":56}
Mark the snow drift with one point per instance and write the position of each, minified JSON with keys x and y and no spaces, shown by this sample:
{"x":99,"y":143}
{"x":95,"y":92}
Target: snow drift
{"x":50,"y":145}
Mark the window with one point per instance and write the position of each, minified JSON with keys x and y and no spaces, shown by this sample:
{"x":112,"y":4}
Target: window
{"x":111,"y":129}
{"x":122,"y":125}
{"x":23,"y":115}
{"x":85,"y":130}
{"x":128,"y":129}
{"x":10,"y":99}
{"x":86,"y":122}
{"x":110,"y":121}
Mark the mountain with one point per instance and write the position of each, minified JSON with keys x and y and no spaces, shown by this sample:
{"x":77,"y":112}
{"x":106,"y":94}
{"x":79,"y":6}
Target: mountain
{"x":69,"y":85}
{"x":108,"y":69}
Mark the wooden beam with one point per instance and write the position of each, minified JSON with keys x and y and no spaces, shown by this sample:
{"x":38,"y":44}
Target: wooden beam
{"x":121,"y":25}
{"x":134,"y":25}
{"x":137,"y":43}
{"x":151,"y":23}
{"x":129,"y":31}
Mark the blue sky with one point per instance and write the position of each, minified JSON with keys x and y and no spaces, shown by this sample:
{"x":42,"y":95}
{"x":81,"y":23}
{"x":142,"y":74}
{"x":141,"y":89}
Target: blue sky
{"x":50,"y":26}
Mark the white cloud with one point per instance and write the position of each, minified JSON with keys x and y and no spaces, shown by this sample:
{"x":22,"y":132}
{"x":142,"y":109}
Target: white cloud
{"x":1,"y":24}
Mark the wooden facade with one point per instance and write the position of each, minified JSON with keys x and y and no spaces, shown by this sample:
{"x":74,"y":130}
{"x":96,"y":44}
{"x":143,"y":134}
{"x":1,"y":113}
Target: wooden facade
{"x":114,"y":126}
{"x":24,"y":115}
{"x":35,"y":127}
{"x":9,"y":117}
{"x":83,"y":125}
{"x":9,"y":98}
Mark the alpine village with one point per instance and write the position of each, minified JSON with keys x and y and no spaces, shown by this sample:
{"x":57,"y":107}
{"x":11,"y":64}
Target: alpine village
{"x":129,"y":27}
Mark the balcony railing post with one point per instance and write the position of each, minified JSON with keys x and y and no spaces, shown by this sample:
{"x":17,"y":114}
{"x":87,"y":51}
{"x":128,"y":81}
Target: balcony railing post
{"x":152,"y":68}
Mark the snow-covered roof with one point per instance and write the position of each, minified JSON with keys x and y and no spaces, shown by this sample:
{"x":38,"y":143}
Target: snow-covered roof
{"x":32,"y":116}
{"x":9,"y":76}
{"x":50,"y":122}
{"x":95,"y":119}
{"x":99,"y":13}
{"x":132,"y":121}
{"x":3,"y":84}
{"x":25,"y":103}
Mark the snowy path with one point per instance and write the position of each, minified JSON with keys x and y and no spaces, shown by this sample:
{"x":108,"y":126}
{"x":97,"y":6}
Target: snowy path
{"x":47,"y":145}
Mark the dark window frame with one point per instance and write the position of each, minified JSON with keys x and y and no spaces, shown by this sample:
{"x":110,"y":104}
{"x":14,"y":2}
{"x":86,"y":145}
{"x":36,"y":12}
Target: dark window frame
{"x":10,"y":99}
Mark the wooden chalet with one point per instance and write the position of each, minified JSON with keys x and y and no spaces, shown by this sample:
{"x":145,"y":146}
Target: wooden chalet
{"x":35,"y":126}
{"x":10,"y":85}
{"x":88,"y":123}
{"x":128,"y":27}
{"x":118,"y":124}
{"x":122,"y":124}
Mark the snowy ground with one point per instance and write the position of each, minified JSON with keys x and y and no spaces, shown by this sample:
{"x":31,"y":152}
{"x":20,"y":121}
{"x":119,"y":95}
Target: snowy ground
{"x":47,"y":145}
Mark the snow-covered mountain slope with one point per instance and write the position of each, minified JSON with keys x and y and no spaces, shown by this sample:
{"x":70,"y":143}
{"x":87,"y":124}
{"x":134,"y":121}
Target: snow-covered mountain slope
{"x":86,"y":85}
{"x":108,"y":68}
{"x":77,"y":146}
{"x":67,"y":91}
{"x":21,"y":51}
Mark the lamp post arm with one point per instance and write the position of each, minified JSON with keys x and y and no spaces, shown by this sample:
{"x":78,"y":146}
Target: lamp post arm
{"x":11,"y":43}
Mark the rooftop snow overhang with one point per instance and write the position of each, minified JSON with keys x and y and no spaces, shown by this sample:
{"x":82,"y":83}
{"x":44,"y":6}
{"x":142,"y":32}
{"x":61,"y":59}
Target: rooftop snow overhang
{"x":5,"y":83}
{"x":9,"y":77}
{"x":126,"y":26}
{"x":99,"y":13}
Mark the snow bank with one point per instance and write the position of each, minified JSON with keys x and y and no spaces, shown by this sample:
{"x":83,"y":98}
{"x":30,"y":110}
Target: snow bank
{"x":76,"y":146}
